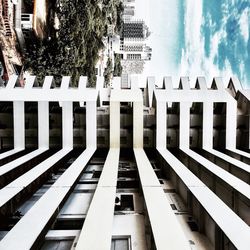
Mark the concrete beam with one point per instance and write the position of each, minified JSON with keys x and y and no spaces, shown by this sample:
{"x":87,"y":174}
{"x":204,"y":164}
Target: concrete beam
{"x":159,"y":210}
{"x":46,"y":206}
{"x":231,"y":124}
{"x":19,"y":124}
{"x":207,"y":125}
{"x":138,"y":124}
{"x":43,"y":124}
{"x":114,"y":124}
{"x":91,"y":124}
{"x":161,"y":124}
{"x":99,"y":219}
{"x":184,"y":131}
{"x":67,"y":124}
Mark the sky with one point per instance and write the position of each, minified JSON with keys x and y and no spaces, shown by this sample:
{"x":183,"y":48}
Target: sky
{"x":197,"y":38}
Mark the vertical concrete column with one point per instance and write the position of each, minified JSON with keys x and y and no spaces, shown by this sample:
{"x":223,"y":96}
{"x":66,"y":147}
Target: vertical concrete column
{"x":138,"y":124}
{"x":12,"y":82}
{"x":114,"y":124}
{"x":67,"y":124}
{"x":43,"y":124}
{"x":231,"y":124}
{"x":161,"y":124}
{"x":207,"y":123}
{"x":91,"y":124}
{"x":19,"y":124}
{"x":184,"y":131}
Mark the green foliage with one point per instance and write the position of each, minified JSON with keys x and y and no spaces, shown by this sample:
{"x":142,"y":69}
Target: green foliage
{"x":73,"y":49}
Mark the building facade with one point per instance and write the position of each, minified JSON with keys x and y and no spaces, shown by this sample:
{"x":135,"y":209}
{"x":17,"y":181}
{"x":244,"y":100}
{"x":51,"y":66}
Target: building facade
{"x":112,"y":168}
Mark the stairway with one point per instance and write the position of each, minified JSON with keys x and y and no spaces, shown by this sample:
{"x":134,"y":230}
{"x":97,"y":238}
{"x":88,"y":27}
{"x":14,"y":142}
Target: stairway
{"x":6,"y":18}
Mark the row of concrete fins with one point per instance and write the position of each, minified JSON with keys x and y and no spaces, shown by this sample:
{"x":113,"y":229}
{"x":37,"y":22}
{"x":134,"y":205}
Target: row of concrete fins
{"x":151,"y":85}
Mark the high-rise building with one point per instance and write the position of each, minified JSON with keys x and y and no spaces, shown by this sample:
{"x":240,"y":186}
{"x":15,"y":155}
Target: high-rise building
{"x":134,"y":30}
{"x":135,"y":169}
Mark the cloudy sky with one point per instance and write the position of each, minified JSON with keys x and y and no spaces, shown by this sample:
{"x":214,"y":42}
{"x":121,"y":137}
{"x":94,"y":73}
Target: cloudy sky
{"x":198,"y":38}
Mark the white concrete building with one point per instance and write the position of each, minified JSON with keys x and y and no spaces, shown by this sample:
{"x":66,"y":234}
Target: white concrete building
{"x":153,"y":168}
{"x":27,"y":21}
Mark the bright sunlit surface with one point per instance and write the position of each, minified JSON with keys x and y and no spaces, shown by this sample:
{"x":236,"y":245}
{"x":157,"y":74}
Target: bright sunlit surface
{"x":197,"y":38}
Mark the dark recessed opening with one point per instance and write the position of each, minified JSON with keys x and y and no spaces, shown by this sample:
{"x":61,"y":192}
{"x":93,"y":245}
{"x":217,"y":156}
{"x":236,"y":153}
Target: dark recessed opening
{"x":173,"y":206}
{"x":57,"y":244}
{"x":96,"y":174}
{"x":69,"y":224}
{"x":127,"y":174}
{"x":127,"y":184}
{"x":125,"y":104}
{"x":87,"y":182}
{"x":125,"y":202}
{"x":193,"y":226}
{"x":161,"y":181}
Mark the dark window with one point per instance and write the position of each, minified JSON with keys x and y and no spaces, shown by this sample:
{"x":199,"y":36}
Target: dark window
{"x":124,"y":103}
{"x":125,"y":203}
{"x":127,"y":174}
{"x":120,"y":244}
{"x":57,"y":244}
{"x":128,"y":184}
{"x":193,"y":225}
{"x":173,"y":206}
{"x":96,"y":174}
{"x":68,"y":224}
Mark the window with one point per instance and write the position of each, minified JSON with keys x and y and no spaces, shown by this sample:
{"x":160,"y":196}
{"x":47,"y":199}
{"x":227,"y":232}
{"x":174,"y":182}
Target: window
{"x":96,"y":174}
{"x":120,"y":243}
{"x":57,"y":244}
{"x":193,"y":226}
{"x":161,"y":181}
{"x":173,"y":206}
{"x":127,"y":174}
{"x":124,"y":203}
{"x":128,"y":183}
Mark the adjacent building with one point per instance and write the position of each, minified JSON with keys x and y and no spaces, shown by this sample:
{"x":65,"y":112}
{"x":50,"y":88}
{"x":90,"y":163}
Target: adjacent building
{"x":113,"y":168}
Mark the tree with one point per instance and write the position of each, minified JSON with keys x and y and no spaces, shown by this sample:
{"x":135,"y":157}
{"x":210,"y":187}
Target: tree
{"x":74,"y":48}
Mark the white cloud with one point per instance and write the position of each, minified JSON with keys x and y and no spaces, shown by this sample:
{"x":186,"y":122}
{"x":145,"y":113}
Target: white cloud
{"x":194,"y":61}
{"x":244,"y":24}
